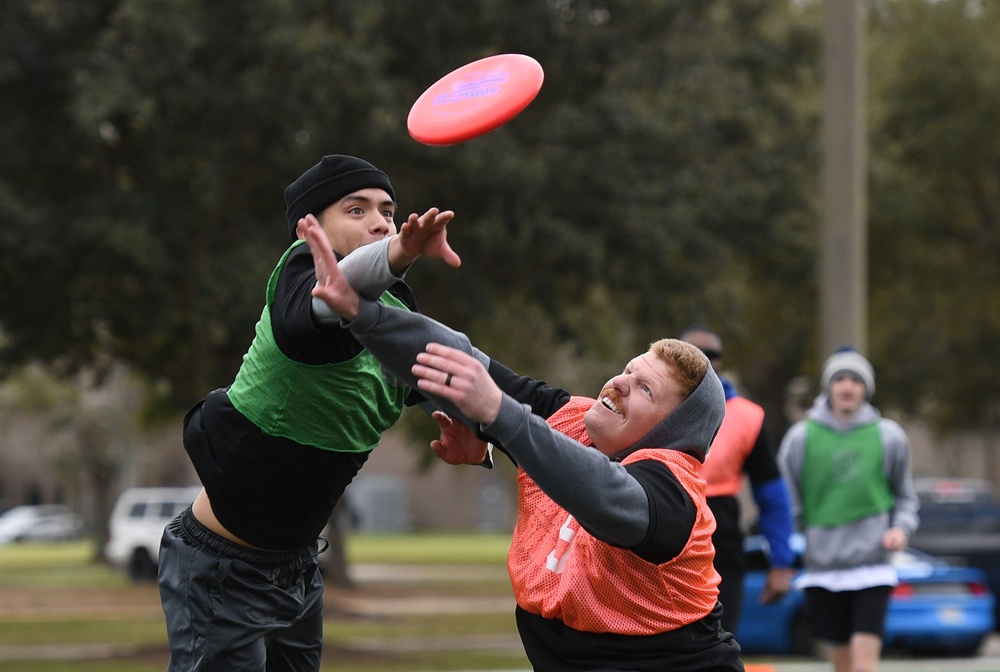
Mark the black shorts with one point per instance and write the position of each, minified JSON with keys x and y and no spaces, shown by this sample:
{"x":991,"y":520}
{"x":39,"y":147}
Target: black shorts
{"x":835,"y":616}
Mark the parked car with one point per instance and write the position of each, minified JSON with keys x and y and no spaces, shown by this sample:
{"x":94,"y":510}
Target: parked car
{"x":136,"y":525}
{"x":937,"y":608}
{"x":960,"y":522}
{"x":43,"y":522}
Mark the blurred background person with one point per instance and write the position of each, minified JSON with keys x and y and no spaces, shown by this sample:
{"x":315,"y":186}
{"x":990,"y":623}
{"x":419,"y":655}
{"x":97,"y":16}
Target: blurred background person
{"x":743,"y":446}
{"x":849,"y":474}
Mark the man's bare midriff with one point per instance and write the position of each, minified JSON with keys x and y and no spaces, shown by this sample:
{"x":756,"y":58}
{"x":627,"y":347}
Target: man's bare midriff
{"x":202,"y":510}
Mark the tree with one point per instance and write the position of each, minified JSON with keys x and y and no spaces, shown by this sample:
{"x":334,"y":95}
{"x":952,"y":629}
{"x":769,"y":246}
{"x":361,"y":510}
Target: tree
{"x":658,"y":172}
{"x":44,"y":181}
{"x":935,"y":210}
{"x":661,"y":177}
{"x":81,"y":436}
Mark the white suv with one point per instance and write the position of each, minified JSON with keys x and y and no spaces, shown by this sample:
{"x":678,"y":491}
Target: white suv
{"x":136,"y":525}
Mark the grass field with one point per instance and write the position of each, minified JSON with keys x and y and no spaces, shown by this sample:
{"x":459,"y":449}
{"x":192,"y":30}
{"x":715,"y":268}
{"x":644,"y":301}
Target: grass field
{"x":421,"y":602}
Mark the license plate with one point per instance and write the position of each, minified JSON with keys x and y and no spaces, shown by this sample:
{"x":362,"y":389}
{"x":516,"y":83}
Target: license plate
{"x":950,"y":615}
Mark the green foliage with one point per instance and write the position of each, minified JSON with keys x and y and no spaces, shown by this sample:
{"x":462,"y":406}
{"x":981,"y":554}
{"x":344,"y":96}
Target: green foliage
{"x":935,"y":210}
{"x":666,"y":174}
{"x":665,"y":151}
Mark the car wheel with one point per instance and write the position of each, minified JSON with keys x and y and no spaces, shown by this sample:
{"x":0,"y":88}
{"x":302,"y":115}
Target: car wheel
{"x":141,"y":567}
{"x":799,"y":636}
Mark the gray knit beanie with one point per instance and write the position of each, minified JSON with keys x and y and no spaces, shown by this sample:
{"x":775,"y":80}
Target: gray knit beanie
{"x":849,"y":360}
{"x":334,"y":177}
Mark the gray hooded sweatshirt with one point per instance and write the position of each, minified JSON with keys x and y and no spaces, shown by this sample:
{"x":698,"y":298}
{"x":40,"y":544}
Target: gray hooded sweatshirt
{"x":859,"y":543}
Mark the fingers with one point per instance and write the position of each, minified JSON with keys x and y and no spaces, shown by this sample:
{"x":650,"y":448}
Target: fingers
{"x":434,"y":381}
{"x":308,"y":229}
{"x":445,"y":366}
{"x":441,"y":357}
{"x":437,"y":371}
{"x":448,"y":352}
{"x":434,"y":220}
{"x":440,"y":446}
{"x":445,"y":250}
{"x":442,"y":219}
{"x":449,"y":255}
{"x":439,"y":449}
{"x":423,"y":220}
{"x":442,"y":419}
{"x":303,"y":223}
{"x":414,"y":222}
{"x":894,"y":539}
{"x":470,"y":387}
{"x":436,"y":217}
{"x":322,"y":253}
{"x":427,"y":235}
{"x":331,"y":285}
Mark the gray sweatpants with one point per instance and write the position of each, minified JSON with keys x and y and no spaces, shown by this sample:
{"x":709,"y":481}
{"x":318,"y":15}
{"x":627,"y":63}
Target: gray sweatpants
{"x":232,"y":608}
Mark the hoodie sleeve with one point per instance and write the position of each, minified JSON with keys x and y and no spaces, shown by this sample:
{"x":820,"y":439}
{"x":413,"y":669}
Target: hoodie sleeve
{"x":396,"y":337}
{"x":367,"y":271}
{"x":905,"y":513}
{"x":791,"y":454}
{"x":607,"y":501}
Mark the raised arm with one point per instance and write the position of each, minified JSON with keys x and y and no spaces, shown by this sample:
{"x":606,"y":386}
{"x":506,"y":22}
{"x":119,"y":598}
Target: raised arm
{"x":608,"y":501}
{"x":395,"y":337}
{"x":372,"y":269}
{"x":423,"y":235}
{"x":456,"y":374}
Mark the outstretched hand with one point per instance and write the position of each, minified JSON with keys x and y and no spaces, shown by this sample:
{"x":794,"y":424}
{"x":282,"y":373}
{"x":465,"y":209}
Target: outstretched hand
{"x":331,"y":285}
{"x":458,"y":443}
{"x":461,"y":379}
{"x":427,"y":235}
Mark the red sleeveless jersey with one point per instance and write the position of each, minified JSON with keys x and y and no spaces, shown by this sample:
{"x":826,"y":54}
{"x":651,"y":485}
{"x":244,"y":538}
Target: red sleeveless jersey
{"x":560,"y":571}
{"x":723,"y":469}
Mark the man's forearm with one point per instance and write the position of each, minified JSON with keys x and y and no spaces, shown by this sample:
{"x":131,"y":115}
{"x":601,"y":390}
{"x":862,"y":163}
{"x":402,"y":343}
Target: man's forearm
{"x":368,"y":271}
{"x":599,"y":493}
{"x":397,"y":336}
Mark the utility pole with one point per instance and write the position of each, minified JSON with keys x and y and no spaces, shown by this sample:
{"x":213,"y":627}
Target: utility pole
{"x":843,"y":263}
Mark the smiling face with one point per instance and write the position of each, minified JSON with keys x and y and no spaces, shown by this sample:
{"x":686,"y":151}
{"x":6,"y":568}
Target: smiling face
{"x":632,"y":403}
{"x":362,"y":217}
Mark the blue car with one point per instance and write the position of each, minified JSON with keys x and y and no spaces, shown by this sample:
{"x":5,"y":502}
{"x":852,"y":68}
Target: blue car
{"x":937,"y":608}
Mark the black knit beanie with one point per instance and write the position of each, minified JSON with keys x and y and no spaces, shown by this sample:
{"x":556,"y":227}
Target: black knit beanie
{"x":334,"y":177}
